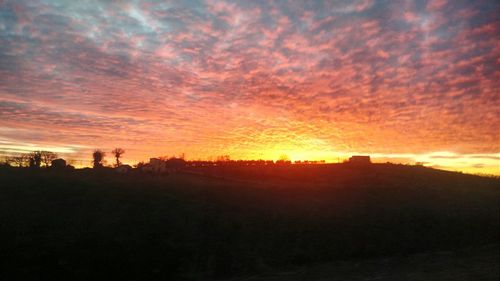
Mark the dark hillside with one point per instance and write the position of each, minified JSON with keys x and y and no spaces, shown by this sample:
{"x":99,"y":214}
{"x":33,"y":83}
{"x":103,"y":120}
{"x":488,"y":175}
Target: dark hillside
{"x":222,"y":222}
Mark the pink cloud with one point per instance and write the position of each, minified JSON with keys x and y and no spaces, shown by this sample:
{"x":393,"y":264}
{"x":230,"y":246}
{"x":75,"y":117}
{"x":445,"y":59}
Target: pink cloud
{"x":240,"y":78}
{"x":434,"y":5}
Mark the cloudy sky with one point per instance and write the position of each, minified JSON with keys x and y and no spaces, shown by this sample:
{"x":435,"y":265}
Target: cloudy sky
{"x":400,"y":80}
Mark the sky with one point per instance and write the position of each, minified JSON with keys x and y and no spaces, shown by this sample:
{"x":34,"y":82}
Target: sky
{"x":402,"y":81}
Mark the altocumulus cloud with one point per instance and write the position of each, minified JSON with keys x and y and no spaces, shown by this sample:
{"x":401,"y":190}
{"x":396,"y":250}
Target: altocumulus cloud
{"x":252,"y":78}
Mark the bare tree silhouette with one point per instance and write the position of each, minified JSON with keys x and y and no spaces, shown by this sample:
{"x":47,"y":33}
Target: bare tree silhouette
{"x":118,"y":153}
{"x":20,"y":160}
{"x":284,"y":159}
{"x":223,"y":158}
{"x":35,"y":159}
{"x":98,"y":157}
{"x":47,"y":157}
{"x":7,"y":161}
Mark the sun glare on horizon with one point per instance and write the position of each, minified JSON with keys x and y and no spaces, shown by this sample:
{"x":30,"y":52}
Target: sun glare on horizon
{"x":411,"y":82}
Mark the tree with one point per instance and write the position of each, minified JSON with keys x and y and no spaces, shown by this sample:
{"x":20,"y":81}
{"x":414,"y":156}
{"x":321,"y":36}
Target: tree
{"x":284,"y":159}
{"x":139,"y":165}
{"x":223,"y":158}
{"x":47,"y":157}
{"x":7,"y":161}
{"x":118,"y":153}
{"x":35,"y":159}
{"x":20,"y":160}
{"x":98,"y":157}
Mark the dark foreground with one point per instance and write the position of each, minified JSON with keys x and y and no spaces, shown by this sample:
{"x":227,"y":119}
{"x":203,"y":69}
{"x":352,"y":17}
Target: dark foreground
{"x":479,"y":263}
{"x":328,"y":222}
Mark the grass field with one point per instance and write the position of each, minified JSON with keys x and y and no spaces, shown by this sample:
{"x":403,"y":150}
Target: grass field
{"x":247,"y":222}
{"x":477,"y":263}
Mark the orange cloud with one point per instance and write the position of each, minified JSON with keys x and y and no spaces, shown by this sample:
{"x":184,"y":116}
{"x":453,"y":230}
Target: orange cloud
{"x":255,"y":80}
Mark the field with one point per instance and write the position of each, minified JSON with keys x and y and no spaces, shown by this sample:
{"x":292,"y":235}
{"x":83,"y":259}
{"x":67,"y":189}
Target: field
{"x":289,"y":222}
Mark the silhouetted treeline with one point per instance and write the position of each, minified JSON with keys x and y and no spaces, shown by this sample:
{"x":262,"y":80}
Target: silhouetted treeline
{"x":33,"y":159}
{"x":250,"y":163}
{"x":229,"y":163}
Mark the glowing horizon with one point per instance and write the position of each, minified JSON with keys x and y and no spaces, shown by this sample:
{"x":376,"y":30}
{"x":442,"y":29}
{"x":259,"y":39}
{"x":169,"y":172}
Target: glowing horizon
{"x":402,"y":81}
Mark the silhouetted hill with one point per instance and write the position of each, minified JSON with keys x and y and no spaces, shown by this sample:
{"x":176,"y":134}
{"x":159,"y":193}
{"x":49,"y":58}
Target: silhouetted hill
{"x":220,"y":222}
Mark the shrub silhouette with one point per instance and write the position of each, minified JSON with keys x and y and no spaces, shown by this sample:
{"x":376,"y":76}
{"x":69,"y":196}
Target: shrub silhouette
{"x":98,"y":158}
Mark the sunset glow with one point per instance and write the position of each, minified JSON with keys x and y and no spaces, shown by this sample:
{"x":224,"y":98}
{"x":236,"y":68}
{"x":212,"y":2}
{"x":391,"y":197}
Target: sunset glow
{"x":402,"y":81}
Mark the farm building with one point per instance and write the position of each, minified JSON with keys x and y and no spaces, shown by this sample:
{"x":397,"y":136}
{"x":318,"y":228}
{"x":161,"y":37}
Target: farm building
{"x":360,"y":159}
{"x":123,"y":169}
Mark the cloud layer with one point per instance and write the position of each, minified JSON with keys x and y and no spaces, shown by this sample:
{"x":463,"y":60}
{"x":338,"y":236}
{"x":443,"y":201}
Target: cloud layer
{"x":253,"y":79}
